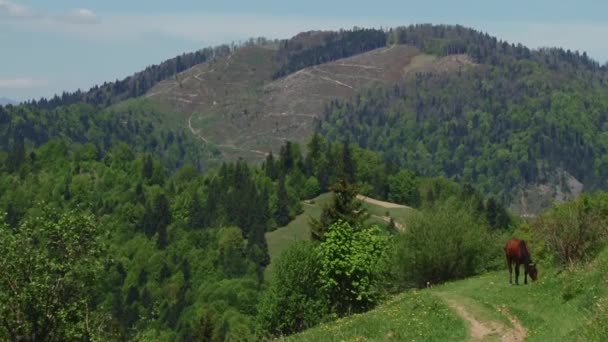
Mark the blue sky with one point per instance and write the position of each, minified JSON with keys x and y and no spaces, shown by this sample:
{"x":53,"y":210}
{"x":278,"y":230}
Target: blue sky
{"x":48,"y":46}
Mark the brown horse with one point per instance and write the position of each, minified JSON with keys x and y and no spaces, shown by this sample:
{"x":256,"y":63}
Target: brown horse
{"x":517,"y":251}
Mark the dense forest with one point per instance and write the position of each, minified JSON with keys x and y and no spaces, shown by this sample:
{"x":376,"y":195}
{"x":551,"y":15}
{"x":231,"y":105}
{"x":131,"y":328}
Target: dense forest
{"x":294,"y":55}
{"x":442,"y":40}
{"x":137,"y":123}
{"x":499,"y":126}
{"x":168,"y":256}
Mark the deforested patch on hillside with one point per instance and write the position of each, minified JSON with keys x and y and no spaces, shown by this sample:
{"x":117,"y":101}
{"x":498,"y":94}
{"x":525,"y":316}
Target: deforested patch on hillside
{"x":234,"y":104}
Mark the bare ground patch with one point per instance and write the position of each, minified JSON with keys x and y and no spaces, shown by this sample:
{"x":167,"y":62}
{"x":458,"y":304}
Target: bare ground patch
{"x":380,"y":203}
{"x":480,"y":330}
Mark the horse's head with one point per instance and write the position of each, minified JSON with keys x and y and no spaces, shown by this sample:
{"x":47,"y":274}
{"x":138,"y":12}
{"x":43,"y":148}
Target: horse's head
{"x":531,"y":268}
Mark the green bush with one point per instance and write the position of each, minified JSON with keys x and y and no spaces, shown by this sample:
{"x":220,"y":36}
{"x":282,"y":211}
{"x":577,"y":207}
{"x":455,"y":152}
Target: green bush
{"x":447,"y":241}
{"x":351,"y":275}
{"x":311,"y":188}
{"x":574,"y":231}
{"x":294,"y":301}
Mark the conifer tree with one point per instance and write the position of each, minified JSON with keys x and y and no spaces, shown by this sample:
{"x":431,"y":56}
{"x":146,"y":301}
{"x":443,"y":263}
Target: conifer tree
{"x":345,"y":206}
{"x":282,"y":213}
{"x":196,"y":217}
{"x":348,"y":164}
{"x":270,"y":167}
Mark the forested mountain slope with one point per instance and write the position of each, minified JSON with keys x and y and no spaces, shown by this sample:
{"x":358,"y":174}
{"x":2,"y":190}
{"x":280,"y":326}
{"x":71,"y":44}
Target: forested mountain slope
{"x":524,"y":125}
{"x":521,"y":123}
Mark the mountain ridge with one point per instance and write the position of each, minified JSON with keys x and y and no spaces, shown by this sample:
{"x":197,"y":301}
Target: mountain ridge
{"x":245,"y":101}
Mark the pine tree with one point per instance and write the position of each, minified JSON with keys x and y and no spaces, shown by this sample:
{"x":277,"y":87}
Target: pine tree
{"x":17,"y":155}
{"x":148,"y":167}
{"x":270,"y":167}
{"x":345,"y":206}
{"x":312,"y":161}
{"x":348,"y":164}
{"x":282,"y":213}
{"x":196,"y":217}
{"x":163,"y":219}
{"x":140,"y":196}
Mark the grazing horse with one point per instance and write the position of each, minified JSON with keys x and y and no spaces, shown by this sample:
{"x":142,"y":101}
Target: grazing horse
{"x":517,"y":251}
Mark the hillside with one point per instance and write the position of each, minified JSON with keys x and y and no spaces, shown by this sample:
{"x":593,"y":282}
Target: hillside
{"x":483,"y":308}
{"x":234,"y":104}
{"x":440,"y":100}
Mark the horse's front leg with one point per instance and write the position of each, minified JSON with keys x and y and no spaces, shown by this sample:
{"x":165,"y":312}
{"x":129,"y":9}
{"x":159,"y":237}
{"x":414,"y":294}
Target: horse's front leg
{"x":525,"y":275}
{"x":516,"y":274}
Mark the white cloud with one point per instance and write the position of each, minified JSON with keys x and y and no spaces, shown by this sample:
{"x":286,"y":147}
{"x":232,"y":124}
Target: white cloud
{"x":22,"y":83}
{"x":43,"y":19}
{"x":80,"y":16}
{"x":15,"y":10}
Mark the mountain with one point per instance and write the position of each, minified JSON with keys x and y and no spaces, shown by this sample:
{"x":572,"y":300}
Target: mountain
{"x":441,"y":100}
{"x":523,"y":125}
{"x":5,"y":101}
{"x":235,"y":104}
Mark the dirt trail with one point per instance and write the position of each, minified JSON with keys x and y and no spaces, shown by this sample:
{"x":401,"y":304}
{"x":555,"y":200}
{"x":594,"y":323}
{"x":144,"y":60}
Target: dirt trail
{"x":480,"y":330}
{"x":380,"y":203}
{"x":196,"y":133}
{"x":328,"y":79}
{"x":518,"y":333}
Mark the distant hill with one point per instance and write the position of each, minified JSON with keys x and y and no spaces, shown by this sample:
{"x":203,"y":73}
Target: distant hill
{"x":524,"y":125}
{"x":6,"y":101}
{"x":236,"y":104}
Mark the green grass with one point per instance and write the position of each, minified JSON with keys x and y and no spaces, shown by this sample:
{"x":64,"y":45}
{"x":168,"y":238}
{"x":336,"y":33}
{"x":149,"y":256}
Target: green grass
{"x":540,"y":306}
{"x":400,"y":215}
{"x":411,"y":316}
{"x":560,"y":306}
{"x":297,"y":230}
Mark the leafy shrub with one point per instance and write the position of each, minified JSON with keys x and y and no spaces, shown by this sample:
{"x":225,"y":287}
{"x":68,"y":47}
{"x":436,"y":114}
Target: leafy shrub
{"x":311,"y":188}
{"x":574,"y":231}
{"x":447,"y":241}
{"x":350,"y":272}
{"x":294,"y":300}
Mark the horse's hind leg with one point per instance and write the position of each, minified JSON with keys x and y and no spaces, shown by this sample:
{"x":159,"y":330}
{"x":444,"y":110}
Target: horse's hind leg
{"x":509,"y":261}
{"x":516,"y":274}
